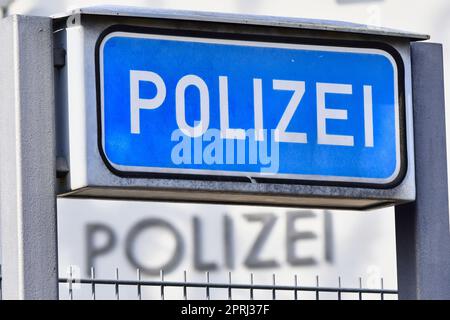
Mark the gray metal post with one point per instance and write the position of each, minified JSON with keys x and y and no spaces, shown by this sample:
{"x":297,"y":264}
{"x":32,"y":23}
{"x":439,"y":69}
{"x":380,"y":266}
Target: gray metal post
{"x":422,"y":227}
{"x":27,"y":159}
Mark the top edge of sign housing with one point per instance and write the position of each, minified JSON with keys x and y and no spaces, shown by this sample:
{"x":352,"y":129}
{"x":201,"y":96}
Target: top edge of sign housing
{"x":257,"y":20}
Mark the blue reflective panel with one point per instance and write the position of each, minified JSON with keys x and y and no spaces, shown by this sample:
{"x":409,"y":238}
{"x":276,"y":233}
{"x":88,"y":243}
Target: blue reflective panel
{"x":227,"y":107}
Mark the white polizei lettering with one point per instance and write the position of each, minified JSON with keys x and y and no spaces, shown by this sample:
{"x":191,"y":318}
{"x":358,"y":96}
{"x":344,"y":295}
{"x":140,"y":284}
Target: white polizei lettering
{"x":225,"y":131}
{"x":299,"y":90}
{"x":258,"y":109}
{"x":180,"y":105}
{"x":137,"y":103}
{"x":368,"y":117}
{"x":324,"y":113}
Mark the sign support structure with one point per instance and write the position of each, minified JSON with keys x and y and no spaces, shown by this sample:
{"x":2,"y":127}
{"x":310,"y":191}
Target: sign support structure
{"x":422,"y":227}
{"x":212,"y":165}
{"x":28,"y":183}
{"x":27,"y":159}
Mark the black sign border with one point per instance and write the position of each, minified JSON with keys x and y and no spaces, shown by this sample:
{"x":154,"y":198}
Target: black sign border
{"x":262,"y":38}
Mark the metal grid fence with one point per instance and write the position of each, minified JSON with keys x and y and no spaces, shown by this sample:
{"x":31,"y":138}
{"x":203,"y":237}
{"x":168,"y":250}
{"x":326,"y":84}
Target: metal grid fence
{"x":251,"y":287}
{"x":297,"y":291}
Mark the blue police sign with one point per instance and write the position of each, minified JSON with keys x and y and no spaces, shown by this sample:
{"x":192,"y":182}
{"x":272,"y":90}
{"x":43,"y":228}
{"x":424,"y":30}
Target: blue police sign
{"x":264,"y":108}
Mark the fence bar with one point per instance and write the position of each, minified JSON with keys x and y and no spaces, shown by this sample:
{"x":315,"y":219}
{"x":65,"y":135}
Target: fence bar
{"x":339,"y":291}
{"x":229,"y":288}
{"x":70,"y":283}
{"x":117,"y":284}
{"x":1,"y":282}
{"x":251,"y":286}
{"x":28,"y":159}
{"x":184,"y":286}
{"x":93,"y":283}
{"x":317,"y":286}
{"x":422,"y":227}
{"x":274,"y":297}
{"x":360,"y":286}
{"x":296,"y":284}
{"x":207,"y":285}
{"x":138,"y":276}
{"x":162,"y":284}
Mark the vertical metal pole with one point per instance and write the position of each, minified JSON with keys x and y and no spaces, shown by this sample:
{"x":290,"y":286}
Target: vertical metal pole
{"x":422,"y":227}
{"x":27,"y":159}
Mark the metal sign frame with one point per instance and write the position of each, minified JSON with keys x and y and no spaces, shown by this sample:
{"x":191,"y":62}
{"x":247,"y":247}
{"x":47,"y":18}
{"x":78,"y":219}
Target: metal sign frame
{"x":88,"y":175}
